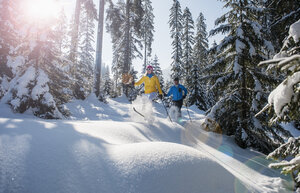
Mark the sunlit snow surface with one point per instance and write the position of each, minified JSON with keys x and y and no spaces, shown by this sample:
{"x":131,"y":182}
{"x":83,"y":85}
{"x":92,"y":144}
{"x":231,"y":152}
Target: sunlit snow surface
{"x":109,"y":148}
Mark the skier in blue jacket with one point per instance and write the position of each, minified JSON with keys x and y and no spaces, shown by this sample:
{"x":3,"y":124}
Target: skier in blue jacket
{"x":178,"y":93}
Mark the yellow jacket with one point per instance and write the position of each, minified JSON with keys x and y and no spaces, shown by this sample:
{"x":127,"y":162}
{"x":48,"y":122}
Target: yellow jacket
{"x":151,"y":84}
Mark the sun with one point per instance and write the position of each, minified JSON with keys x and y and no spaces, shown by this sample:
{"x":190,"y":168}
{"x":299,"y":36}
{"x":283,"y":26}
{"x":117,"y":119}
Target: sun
{"x":41,"y":10}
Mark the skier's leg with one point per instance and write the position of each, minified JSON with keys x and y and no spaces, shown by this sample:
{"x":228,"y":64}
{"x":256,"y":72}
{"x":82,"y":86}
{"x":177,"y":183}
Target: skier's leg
{"x":180,"y":103}
{"x":177,"y":109}
{"x":152,"y":96}
{"x":148,"y":108}
{"x":172,"y":110}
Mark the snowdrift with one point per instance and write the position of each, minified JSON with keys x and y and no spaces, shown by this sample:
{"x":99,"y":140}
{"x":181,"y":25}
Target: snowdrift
{"x":56,"y":156}
{"x":119,"y":154}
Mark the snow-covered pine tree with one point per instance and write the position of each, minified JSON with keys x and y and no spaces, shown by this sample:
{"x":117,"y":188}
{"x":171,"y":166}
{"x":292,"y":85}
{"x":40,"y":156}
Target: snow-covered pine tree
{"x":197,"y":87}
{"x":213,"y":94}
{"x":187,"y":45}
{"x":285,"y":99}
{"x":40,"y":84}
{"x":157,"y":71}
{"x":61,"y":33}
{"x":8,"y":43}
{"x":85,"y":68}
{"x":74,"y":32}
{"x":289,"y":155}
{"x":114,"y":19}
{"x":292,"y":166}
{"x":104,"y":69}
{"x":108,"y":85}
{"x":124,"y":24}
{"x":244,"y":85}
{"x":200,"y":52}
{"x":281,"y":14}
{"x":147,"y":31}
{"x":175,"y":22}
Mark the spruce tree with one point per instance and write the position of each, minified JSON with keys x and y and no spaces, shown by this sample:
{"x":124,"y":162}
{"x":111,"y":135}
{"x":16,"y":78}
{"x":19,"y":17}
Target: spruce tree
{"x":108,"y":85}
{"x":85,"y":66}
{"x":147,"y":31}
{"x":213,"y":95}
{"x":288,"y":154}
{"x":61,"y":33}
{"x":157,"y":71}
{"x":8,"y":43}
{"x":285,"y":99}
{"x":40,"y":85}
{"x":243,"y":84}
{"x":124,"y":23}
{"x":74,"y":31}
{"x":113,"y":21}
{"x":187,"y":45}
{"x":280,"y":15}
{"x":200,"y":52}
{"x":176,"y":26}
{"x":197,"y":87}
{"x":81,"y":5}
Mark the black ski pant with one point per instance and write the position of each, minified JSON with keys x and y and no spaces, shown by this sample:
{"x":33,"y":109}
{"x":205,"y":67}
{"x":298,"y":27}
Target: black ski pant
{"x":178,"y":104}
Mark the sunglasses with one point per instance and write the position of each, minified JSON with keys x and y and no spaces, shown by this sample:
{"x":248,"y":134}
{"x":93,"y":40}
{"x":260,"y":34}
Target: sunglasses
{"x":149,"y":68}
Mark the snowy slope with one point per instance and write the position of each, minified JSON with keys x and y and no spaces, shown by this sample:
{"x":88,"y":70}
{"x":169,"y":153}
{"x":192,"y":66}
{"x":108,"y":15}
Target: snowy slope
{"x":108,"y":148}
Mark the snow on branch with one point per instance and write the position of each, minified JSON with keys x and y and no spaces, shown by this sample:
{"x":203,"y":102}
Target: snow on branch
{"x":222,"y":29}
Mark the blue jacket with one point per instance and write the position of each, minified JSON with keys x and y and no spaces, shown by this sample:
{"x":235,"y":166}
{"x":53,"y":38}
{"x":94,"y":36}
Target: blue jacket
{"x":176,"y":91}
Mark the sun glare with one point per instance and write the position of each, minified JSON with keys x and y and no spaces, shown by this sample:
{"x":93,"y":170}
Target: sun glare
{"x":41,"y":10}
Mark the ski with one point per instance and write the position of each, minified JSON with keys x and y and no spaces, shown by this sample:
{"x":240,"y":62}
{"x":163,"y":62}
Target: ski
{"x":138,"y":112}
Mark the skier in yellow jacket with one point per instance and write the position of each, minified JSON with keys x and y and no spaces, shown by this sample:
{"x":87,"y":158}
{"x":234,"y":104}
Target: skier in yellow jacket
{"x":152,"y":84}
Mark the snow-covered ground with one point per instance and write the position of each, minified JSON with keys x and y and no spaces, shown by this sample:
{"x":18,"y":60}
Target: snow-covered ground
{"x":108,"y":148}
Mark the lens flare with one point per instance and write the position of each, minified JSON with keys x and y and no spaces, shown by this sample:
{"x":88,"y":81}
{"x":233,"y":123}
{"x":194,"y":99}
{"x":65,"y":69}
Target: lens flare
{"x":40,"y":10}
{"x":226,"y":150}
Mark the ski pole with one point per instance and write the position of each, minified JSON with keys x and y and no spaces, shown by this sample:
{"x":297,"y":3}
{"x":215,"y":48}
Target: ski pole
{"x":188,"y":112}
{"x":166,"y":110}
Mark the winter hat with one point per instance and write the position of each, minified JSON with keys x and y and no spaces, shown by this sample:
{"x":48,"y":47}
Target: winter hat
{"x":176,"y":79}
{"x":150,"y":67}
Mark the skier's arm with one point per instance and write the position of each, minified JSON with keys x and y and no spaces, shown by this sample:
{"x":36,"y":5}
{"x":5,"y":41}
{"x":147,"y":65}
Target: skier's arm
{"x":170,"y":91}
{"x":158,"y":86}
{"x":139,"y":82}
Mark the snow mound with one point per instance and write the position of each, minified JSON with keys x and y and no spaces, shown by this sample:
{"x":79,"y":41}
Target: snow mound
{"x":59,"y":156}
{"x":103,"y":150}
{"x":168,"y":167}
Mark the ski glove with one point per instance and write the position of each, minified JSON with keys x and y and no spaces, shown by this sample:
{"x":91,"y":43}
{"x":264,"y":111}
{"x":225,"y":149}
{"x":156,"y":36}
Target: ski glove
{"x":160,"y":96}
{"x":184,"y":96}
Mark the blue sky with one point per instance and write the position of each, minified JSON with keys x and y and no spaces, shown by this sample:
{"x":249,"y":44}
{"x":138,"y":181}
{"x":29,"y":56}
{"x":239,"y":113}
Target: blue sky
{"x":212,"y":9}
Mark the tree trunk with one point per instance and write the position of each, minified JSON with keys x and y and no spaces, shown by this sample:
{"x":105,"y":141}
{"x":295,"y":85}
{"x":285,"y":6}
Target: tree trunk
{"x":145,"y":52}
{"x":99,"y":48}
{"x":126,"y":66}
{"x":74,"y":38}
